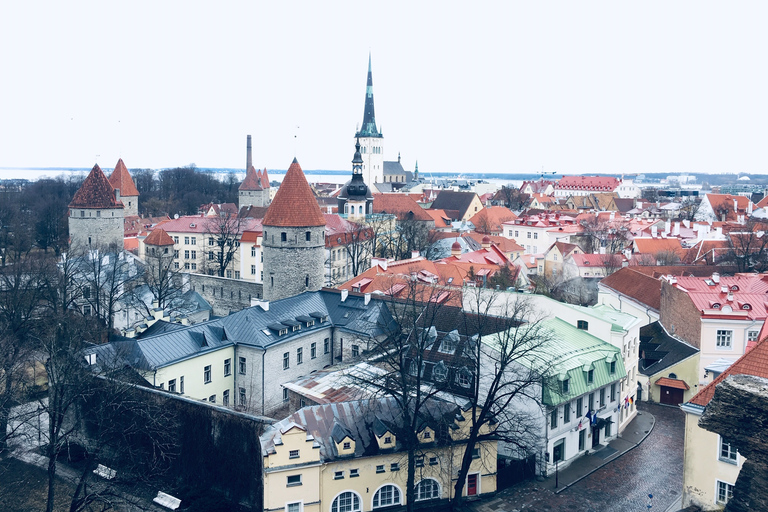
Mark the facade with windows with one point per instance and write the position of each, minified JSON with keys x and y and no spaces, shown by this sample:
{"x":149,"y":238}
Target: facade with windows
{"x":326,"y":458}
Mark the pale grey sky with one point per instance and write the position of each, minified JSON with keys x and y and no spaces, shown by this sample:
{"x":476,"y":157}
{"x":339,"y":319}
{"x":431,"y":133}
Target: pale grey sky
{"x":575,"y":87}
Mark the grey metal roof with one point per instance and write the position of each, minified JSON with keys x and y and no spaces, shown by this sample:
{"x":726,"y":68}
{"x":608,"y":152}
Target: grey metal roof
{"x":252,"y":326}
{"x":661,"y":349}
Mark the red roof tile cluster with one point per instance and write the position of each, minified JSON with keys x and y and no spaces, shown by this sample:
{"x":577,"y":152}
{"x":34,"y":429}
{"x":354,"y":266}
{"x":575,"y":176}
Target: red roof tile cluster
{"x":589,"y":183}
{"x":255,"y":180}
{"x":95,"y":192}
{"x":672,"y":383}
{"x":754,"y":362}
{"x":121,"y":180}
{"x":742,"y":294}
{"x":158,"y":237}
{"x":401,"y":206}
{"x":294,"y":204}
{"x":731,"y":206}
{"x":489,"y":220}
{"x":636,"y":285}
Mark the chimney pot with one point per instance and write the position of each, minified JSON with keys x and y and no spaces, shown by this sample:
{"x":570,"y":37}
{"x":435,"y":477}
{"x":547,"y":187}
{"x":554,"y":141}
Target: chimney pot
{"x":344,"y":295}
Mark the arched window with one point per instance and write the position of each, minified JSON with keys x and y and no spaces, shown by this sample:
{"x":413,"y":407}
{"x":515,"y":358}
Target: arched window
{"x":672,"y":375}
{"x":346,"y":208}
{"x":427,"y":489}
{"x":386,"y":496}
{"x":346,"y":502}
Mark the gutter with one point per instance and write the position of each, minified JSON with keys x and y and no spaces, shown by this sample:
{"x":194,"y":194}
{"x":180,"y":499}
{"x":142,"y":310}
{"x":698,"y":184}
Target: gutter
{"x":263,"y":354}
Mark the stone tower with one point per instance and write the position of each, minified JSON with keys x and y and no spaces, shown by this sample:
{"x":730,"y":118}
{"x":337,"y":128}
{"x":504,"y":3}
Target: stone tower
{"x":371,"y":140}
{"x":121,"y":180}
{"x":96,"y":214}
{"x":254,"y":190}
{"x":294,"y":239}
{"x":355,"y":199}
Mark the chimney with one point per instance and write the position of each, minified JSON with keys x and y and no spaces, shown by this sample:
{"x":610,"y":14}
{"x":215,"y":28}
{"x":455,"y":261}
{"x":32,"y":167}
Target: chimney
{"x":367,"y":298}
{"x":263,"y":304}
{"x":414,"y":254}
{"x":677,"y":229}
{"x":380,"y":262}
{"x":715,"y":277}
{"x":723,"y":289}
{"x":667,"y":226}
{"x":344,"y":294}
{"x":654,"y":231}
{"x":248,"y":155}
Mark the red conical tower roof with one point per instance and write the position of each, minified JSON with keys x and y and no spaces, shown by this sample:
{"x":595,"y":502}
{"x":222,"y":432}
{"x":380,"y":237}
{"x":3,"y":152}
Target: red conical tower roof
{"x":158,"y":236}
{"x":121,"y":180}
{"x":294,"y":204}
{"x":251,"y":181}
{"x":264,"y":179}
{"x":95,"y":192}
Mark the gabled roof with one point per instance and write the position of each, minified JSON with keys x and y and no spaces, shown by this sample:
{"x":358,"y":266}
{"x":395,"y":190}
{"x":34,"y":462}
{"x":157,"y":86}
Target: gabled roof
{"x":754,"y":362}
{"x":593,"y":183}
{"x":401,"y":206}
{"x":660,"y":349}
{"x":636,"y":285}
{"x":121,"y":179}
{"x":658,"y":245}
{"x":441,"y":218}
{"x":597,"y":260}
{"x":724,"y":203}
{"x":158,"y":236}
{"x":95,"y":192}
{"x":505,"y":245}
{"x":450,"y":200}
{"x":252,"y":180}
{"x":490,"y":219}
{"x":294,"y":204}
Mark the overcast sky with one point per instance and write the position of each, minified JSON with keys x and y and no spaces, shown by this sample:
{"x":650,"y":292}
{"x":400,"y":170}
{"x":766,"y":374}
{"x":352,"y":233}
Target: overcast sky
{"x":571,"y":87}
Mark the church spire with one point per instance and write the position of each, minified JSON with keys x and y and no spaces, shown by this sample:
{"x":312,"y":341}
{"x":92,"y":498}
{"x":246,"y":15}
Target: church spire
{"x":369,"y":117}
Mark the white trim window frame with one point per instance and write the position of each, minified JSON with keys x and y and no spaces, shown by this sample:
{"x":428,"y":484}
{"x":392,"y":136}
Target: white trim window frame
{"x":726,"y":452}
{"x":724,"y":339}
{"x":294,"y":506}
{"x":723,"y":492}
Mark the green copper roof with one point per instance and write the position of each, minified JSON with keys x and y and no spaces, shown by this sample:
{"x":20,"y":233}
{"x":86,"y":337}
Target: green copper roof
{"x":571,"y":353}
{"x":619,"y":321}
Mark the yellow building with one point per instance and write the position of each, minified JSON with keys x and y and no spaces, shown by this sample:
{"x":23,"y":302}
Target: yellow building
{"x":345,"y":457}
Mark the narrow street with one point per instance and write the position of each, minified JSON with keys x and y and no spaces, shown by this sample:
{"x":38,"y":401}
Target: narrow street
{"x":654,"y":467}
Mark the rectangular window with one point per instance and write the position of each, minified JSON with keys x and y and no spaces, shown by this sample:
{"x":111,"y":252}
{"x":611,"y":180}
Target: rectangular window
{"x":613,"y":392}
{"x":558,"y":451}
{"x":582,"y":439}
{"x":194,"y":240}
{"x":613,"y":367}
{"x":181,"y":384}
{"x":553,"y":418}
{"x":229,"y":273}
{"x":207,"y":374}
{"x":724,"y":338}
{"x":591,"y":402}
{"x":193,"y":255}
{"x":253,"y":252}
{"x":590,"y":376}
{"x":286,"y":360}
{"x":175,"y":254}
{"x":210,"y":242}
{"x":293,"y":507}
{"x":535,"y":236}
{"x":212,"y":399}
{"x":253,"y":270}
{"x":355,"y":350}
{"x":566,"y":413}
{"x":242,"y":397}
{"x":313,"y":350}
{"x":176,"y":265}
{"x":227,"y":367}
{"x":186,"y":240}
{"x":602,"y":397}
{"x":326,"y":345}
{"x":579,"y":407}
{"x":241,"y":363}
{"x":419,"y":461}
{"x":194,"y":266}
{"x":388,"y":440}
{"x":395,"y":466}
{"x":337,"y":475}
{"x":353,"y":473}
{"x":380,"y":468}
{"x":293,"y":454}
{"x":176,"y":239}
{"x":727,"y":452}
{"x":433,"y":461}
{"x":724,"y":492}
{"x":347,"y":445}
{"x":299,"y":355}
{"x":172,"y":385}
{"x":566,"y":386}
{"x":186,"y":255}
{"x":294,"y":480}
{"x":752,"y":335}
{"x":285,"y":394}
{"x":225,"y":397}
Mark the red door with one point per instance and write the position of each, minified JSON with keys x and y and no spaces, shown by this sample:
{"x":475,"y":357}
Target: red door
{"x":472,"y":485}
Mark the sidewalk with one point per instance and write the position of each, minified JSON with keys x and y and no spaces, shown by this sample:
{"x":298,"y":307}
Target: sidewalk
{"x":635,"y":433}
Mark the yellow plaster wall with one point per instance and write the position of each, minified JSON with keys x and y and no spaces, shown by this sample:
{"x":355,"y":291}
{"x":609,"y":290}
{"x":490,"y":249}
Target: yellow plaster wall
{"x":192,"y":369}
{"x":686,"y":370}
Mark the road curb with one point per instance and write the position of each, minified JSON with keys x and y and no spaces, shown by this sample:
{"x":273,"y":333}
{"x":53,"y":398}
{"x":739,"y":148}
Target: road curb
{"x":585,"y":475}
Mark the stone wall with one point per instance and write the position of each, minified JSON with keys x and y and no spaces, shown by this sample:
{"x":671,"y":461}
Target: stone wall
{"x":225,"y":295}
{"x":679,"y":315}
{"x":295,"y":265}
{"x":96,"y":228}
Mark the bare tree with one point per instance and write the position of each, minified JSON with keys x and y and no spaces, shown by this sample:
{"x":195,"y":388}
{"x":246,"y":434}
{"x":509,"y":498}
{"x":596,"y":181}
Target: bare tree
{"x":512,"y":198}
{"x":412,"y":235}
{"x":600,"y":233}
{"x":689,"y":208}
{"x":748,"y":248}
{"x":225,"y":230}
{"x":160,"y":275}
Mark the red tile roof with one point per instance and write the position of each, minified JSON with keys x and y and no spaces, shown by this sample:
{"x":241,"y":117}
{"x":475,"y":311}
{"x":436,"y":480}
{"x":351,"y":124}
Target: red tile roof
{"x":441,"y":218}
{"x":95,"y":192}
{"x":592,"y":183}
{"x":121,"y":179}
{"x":400,"y":205}
{"x":158,"y":237}
{"x":252,"y":180}
{"x":672,"y":383}
{"x":489,"y":220}
{"x":754,"y":362}
{"x":294,"y":204}
{"x":264,"y":179}
{"x":724,"y":203}
{"x":745,"y":294}
{"x":636,"y":285}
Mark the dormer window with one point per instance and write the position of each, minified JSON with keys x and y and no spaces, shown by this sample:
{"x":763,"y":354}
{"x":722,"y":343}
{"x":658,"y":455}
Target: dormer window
{"x":565,"y":386}
{"x":590,"y":376}
{"x":388,"y":440}
{"x":716,"y":305}
{"x":746,"y":306}
{"x":582,"y":324}
{"x":347,"y":445}
{"x":613,"y":367}
{"x":282,"y":331}
{"x":734,"y":288}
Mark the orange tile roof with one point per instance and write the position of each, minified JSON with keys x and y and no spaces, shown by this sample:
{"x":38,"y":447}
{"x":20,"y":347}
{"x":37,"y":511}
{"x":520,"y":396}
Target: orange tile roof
{"x":763,"y":202}
{"x":725,"y":203}
{"x":400,"y":205}
{"x":504,"y":244}
{"x":491,"y":218}
{"x":158,"y":236}
{"x":264,"y":179}
{"x":121,"y":180}
{"x":131,"y":244}
{"x":294,"y":204}
{"x":672,"y":383}
{"x":442,"y":219}
{"x":250,"y":236}
{"x":634,"y":284}
{"x":594,"y":183}
{"x":657,"y":245}
{"x":252,"y":180}
{"x":95,"y":192}
{"x":754,"y":362}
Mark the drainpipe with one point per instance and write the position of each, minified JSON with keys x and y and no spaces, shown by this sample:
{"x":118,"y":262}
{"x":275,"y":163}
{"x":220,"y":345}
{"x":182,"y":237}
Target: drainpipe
{"x":263,"y":353}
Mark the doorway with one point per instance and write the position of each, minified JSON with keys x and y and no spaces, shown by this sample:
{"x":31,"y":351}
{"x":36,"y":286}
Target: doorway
{"x":595,"y":437}
{"x":472,"y":484}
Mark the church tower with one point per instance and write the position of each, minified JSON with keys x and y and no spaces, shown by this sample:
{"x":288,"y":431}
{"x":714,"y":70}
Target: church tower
{"x":121,"y":180}
{"x":293,"y":242}
{"x":96,"y":214}
{"x":355,"y":199}
{"x":371,"y":140}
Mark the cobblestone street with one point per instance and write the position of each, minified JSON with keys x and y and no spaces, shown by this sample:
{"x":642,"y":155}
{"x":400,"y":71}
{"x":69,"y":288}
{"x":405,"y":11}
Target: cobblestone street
{"x":654,"y":467}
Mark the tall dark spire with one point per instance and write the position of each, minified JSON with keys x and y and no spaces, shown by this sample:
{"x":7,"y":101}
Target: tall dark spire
{"x":369,"y":117}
